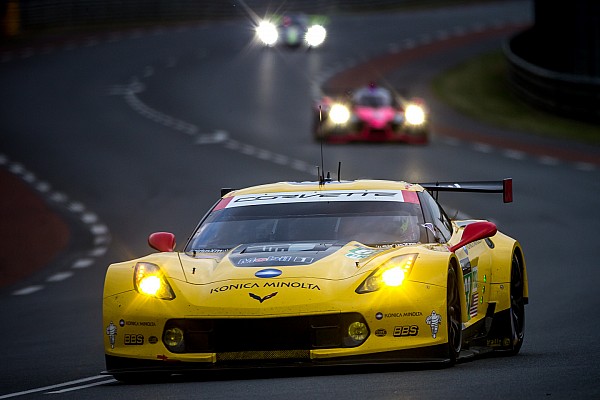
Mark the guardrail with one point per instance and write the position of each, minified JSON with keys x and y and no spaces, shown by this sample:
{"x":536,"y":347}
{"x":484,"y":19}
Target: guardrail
{"x":571,"y":95}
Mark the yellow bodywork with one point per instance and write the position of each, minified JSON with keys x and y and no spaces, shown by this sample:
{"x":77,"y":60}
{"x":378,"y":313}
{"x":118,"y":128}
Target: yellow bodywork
{"x":398,"y":318}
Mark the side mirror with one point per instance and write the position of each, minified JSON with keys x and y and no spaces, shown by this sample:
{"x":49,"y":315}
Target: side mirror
{"x":475,"y":231}
{"x":162,"y":241}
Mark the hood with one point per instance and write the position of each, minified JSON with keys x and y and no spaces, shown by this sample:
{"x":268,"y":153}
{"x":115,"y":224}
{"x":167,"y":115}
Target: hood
{"x":316,"y":260}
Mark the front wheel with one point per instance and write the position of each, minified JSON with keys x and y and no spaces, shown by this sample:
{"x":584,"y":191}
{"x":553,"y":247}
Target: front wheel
{"x":454,"y":315}
{"x":517,"y":305}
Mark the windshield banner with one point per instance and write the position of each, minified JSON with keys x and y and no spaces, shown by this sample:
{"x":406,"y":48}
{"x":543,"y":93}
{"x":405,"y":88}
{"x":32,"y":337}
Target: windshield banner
{"x":316,"y":196}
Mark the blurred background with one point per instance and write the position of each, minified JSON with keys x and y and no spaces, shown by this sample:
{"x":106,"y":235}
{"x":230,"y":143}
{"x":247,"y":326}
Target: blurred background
{"x":121,"y":118}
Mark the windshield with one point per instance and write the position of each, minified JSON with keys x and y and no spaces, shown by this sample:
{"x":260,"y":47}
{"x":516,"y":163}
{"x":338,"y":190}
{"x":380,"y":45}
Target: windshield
{"x":372,"y":223}
{"x":372,"y":98}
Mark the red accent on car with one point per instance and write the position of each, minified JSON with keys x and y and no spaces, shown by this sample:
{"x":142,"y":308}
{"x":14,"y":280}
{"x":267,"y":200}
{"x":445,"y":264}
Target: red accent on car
{"x":475,"y":231}
{"x":162,"y":241}
{"x":223,"y":203}
{"x":507,"y":191}
{"x":410,"y":197}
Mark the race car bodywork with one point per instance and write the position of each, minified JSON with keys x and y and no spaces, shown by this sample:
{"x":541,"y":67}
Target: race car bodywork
{"x":373,"y":114}
{"x":318,"y":273}
{"x":293,"y":30}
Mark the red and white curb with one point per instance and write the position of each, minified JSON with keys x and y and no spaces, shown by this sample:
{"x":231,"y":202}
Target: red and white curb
{"x":98,"y":230}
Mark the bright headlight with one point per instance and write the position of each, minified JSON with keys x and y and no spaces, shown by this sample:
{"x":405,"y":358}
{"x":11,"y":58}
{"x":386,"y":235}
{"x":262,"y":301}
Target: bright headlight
{"x":415,"y":114}
{"x":315,"y":35}
{"x":391,"y":274}
{"x":267,"y":33}
{"x":339,"y":114}
{"x":149,"y":280}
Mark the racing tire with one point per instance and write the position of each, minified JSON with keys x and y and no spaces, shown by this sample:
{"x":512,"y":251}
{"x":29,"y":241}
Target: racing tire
{"x":453,"y":315}
{"x":517,"y":305}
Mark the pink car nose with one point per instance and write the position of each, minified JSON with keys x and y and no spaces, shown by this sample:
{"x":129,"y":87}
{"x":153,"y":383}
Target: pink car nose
{"x":375,"y":118}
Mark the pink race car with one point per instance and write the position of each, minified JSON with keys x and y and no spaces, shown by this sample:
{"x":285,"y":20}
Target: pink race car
{"x":371,"y":114}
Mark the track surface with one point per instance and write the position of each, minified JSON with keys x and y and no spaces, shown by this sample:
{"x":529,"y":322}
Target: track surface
{"x":126,"y":134}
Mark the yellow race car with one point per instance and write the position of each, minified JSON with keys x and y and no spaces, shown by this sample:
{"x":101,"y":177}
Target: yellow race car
{"x":318,"y":273}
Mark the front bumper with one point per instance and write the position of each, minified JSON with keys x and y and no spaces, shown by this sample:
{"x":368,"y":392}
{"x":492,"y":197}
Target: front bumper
{"x":364,"y":133}
{"x":431,"y":355}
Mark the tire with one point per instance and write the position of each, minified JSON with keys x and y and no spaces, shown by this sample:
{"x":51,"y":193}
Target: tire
{"x":517,"y":305}
{"x":453,"y":315}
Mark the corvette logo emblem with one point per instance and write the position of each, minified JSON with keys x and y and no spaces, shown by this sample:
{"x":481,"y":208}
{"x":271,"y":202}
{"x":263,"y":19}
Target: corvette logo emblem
{"x":261,"y":299}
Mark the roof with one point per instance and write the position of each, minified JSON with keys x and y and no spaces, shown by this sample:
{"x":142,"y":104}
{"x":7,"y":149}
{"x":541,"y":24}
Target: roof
{"x":363,"y":184}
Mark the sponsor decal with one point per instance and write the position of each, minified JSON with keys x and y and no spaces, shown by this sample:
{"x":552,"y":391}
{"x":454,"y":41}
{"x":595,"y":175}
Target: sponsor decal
{"x":270,"y":259}
{"x":407,"y":330}
{"x":471,"y":291}
{"x":111,"y":331}
{"x":306,"y":197}
{"x":303,"y":260}
{"x":152,"y":340}
{"x":494,"y":342}
{"x":261,"y":299}
{"x":360,"y":253}
{"x":254,"y":285}
{"x":400,"y":314}
{"x":140,"y":323}
{"x":258,"y":260}
{"x":379,"y":316}
{"x":380,"y":332}
{"x":122,"y":323}
{"x":434,"y":320}
{"x":268,"y":273}
{"x":133,"y":339}
{"x":210,"y":250}
{"x":473,"y":305}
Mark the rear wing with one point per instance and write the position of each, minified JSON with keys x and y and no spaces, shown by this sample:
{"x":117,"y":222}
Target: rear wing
{"x":504,"y":186}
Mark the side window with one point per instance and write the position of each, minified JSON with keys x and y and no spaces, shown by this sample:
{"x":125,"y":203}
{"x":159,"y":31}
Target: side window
{"x":435,"y":215}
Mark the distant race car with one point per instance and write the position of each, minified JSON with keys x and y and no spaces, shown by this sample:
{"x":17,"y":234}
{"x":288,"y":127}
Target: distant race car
{"x":292,"y":30}
{"x":318,"y":273}
{"x":370,"y":113}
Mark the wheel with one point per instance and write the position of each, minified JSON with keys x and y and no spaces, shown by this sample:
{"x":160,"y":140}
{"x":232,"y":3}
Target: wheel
{"x":517,"y":305}
{"x":454,"y":315}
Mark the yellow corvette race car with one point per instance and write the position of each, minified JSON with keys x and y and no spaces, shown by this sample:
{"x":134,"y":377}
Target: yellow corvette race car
{"x":319,"y":273}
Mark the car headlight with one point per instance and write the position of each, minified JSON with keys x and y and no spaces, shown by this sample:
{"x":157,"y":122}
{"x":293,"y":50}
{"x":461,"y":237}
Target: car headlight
{"x":414,"y":114}
{"x":339,"y":114}
{"x":391,"y":274}
{"x":267,"y":33}
{"x":315,"y":35}
{"x":149,"y":280}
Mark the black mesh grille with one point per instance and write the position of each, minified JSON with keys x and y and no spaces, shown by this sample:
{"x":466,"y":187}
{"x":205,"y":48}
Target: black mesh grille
{"x":271,"y":337}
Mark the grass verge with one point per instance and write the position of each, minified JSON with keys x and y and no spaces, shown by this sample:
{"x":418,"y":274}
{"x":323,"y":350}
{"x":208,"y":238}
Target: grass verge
{"x":485,"y":77}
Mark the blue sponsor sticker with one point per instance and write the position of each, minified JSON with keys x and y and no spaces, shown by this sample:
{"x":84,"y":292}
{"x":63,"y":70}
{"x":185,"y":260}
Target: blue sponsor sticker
{"x":268,"y":273}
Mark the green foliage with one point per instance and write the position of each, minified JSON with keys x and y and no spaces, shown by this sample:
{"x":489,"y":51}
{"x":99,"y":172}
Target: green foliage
{"x":480,"y":89}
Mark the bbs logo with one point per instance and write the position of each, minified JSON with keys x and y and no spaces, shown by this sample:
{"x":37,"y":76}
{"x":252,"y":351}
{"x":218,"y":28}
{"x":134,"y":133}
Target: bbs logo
{"x":408,"y":330}
{"x":132,"y":339}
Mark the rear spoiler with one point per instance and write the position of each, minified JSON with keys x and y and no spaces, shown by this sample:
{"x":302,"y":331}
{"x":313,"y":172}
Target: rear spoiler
{"x":504,"y":186}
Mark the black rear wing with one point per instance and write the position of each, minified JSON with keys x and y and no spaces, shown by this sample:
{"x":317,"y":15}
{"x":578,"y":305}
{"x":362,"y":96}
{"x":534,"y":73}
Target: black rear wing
{"x":504,"y":186}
